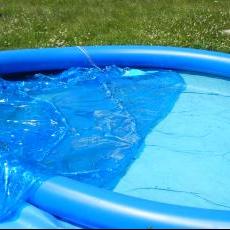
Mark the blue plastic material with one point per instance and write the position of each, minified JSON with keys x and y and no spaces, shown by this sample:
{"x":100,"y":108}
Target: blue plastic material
{"x":27,"y":136}
{"x":18,"y":61}
{"x":30,"y":217}
{"x":54,"y":125}
{"x":97,"y":208}
{"x":61,"y":196}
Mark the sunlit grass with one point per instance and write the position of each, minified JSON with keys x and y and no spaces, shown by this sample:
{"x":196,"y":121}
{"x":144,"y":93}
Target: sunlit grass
{"x":53,"y":23}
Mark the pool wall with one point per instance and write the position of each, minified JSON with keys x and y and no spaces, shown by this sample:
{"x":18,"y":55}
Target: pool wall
{"x":89,"y":206}
{"x":32,"y":60}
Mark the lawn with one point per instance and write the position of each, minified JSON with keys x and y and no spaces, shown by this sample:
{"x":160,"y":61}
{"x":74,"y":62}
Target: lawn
{"x":53,"y":23}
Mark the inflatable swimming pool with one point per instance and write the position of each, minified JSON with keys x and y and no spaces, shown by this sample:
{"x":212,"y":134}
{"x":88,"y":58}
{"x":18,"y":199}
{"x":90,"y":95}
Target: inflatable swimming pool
{"x":64,"y":202}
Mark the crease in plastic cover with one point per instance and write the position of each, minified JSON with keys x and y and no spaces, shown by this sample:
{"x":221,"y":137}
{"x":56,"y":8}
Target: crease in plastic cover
{"x":86,"y":124}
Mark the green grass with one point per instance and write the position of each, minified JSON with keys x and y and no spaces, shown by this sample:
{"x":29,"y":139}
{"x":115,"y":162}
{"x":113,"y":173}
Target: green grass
{"x":53,"y":23}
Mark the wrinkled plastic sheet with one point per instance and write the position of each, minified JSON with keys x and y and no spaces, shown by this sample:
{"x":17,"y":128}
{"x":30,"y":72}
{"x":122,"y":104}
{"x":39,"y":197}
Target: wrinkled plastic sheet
{"x":87,"y":124}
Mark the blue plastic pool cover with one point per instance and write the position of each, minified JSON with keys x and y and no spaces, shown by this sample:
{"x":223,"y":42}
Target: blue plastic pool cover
{"x":87,"y":124}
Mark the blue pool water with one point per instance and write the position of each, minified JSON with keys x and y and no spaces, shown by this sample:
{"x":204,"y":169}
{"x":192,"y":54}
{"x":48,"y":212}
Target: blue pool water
{"x":158,"y":135}
{"x":186,"y":159}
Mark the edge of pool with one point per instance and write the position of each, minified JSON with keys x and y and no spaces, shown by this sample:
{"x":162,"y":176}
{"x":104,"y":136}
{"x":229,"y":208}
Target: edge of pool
{"x":93,"y":207}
